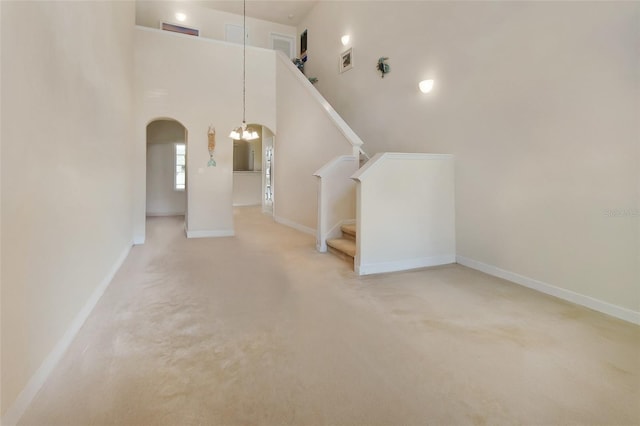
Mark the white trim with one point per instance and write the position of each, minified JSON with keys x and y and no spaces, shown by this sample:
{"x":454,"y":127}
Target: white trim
{"x":561,"y":293}
{"x":163,"y":214}
{"x":403,"y":265}
{"x":201,"y":39}
{"x":211,"y":234}
{"x":138,"y":240}
{"x":381,"y":156}
{"x":274,"y":36}
{"x":15,"y":412}
{"x":245,"y":204}
{"x":294,"y":225}
{"x":331,"y":164}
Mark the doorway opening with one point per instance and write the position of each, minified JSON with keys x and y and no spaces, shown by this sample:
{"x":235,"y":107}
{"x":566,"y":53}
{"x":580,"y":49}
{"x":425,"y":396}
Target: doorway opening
{"x":167,"y":182}
{"x":253,"y":170}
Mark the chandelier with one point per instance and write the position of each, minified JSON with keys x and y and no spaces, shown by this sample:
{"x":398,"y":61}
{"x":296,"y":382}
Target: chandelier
{"x":243,"y":132}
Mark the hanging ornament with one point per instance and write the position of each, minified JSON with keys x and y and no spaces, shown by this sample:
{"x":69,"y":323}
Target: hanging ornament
{"x":212,"y":146}
{"x":382,"y":66}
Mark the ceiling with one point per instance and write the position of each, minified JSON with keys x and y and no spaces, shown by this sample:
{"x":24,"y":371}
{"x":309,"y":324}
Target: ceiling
{"x":287,"y":12}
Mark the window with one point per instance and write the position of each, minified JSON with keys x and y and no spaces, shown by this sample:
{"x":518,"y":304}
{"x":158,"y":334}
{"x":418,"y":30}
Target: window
{"x":181,"y":167}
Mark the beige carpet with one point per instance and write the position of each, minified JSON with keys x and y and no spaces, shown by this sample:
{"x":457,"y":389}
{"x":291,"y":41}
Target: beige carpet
{"x":262,"y":329}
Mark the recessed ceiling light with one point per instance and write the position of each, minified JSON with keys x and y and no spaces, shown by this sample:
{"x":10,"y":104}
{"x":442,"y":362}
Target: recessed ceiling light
{"x":181,"y":16}
{"x":345,"y":39}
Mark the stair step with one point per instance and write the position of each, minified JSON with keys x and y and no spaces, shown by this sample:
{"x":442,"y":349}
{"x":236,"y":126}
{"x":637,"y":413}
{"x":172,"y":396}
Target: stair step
{"x":349,"y":229}
{"x":344,"y":245}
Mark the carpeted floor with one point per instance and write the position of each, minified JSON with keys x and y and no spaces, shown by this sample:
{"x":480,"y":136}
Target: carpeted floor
{"x":262,"y":329}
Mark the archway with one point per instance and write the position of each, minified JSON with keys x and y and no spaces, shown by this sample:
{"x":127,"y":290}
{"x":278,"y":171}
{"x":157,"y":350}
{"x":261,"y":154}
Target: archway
{"x":166,"y":168}
{"x":253,"y":170}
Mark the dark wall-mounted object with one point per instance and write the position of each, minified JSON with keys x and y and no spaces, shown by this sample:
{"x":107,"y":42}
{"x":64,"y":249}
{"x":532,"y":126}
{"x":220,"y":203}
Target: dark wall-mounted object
{"x":299,"y":63}
{"x":303,"y":44}
{"x":179,"y":29}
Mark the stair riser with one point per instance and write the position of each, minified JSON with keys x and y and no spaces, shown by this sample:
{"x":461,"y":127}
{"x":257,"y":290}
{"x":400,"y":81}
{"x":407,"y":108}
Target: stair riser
{"x":341,"y":255}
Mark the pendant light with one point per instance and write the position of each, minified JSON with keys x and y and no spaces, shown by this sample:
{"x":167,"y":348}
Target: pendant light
{"x":243,"y":132}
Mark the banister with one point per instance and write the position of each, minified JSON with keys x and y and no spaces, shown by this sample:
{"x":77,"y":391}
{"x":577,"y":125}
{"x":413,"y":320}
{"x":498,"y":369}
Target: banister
{"x":382,"y":156}
{"x":322,"y":171}
{"x":335,"y":118}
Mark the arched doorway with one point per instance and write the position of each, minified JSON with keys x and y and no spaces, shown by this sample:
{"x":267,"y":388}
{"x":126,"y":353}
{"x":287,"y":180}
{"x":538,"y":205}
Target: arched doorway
{"x":253,"y":170}
{"x":166,"y":168}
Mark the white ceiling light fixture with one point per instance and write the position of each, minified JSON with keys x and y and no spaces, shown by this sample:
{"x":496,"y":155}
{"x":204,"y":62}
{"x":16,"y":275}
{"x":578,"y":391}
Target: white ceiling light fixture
{"x":243,"y":132}
{"x":426,"y":86}
{"x":181,"y":17}
{"x":345,"y":39}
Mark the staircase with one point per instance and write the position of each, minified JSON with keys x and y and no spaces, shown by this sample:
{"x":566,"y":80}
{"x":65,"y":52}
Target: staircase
{"x":345,"y":246}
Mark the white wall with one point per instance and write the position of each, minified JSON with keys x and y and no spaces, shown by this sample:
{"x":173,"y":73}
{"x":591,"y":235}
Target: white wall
{"x":405,"y":213}
{"x":198,"y":82}
{"x":67,"y":131}
{"x":247,"y":188}
{"x":539,"y":103}
{"x":307,"y":138}
{"x":211,"y":23}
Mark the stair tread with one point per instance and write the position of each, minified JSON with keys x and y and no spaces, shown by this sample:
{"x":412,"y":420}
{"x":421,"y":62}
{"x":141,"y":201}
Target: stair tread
{"x":349,"y":229}
{"x":345,"y":245}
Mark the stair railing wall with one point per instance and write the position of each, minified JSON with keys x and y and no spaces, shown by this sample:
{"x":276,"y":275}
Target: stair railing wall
{"x":310,"y":134}
{"x":405,"y":212}
{"x":336,"y":198}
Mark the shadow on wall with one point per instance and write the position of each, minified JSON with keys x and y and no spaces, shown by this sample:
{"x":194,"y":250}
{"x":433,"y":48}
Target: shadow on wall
{"x":166,"y":168}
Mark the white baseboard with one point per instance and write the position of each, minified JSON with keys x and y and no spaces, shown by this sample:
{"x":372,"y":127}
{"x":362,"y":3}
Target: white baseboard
{"x":294,"y":225}
{"x":245,"y":204}
{"x":403,"y":265}
{"x":13,"y":414}
{"x":211,"y":234}
{"x":138,"y":239}
{"x":561,"y":293}
{"x":163,"y":214}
